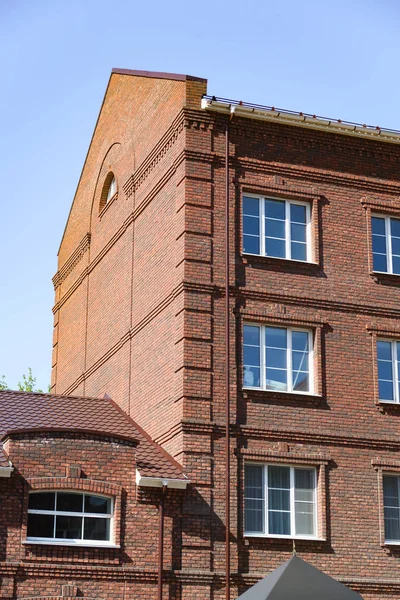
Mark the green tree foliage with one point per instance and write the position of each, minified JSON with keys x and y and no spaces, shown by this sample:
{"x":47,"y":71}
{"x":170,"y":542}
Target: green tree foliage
{"x":27,"y":384}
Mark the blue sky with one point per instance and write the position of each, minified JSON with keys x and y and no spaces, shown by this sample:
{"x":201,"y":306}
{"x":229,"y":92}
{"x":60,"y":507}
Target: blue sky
{"x":334,"y":58}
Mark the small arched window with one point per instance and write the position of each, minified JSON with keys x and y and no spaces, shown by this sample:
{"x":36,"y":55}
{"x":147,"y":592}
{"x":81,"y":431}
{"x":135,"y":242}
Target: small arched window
{"x":69,"y":517}
{"x":109,"y":190}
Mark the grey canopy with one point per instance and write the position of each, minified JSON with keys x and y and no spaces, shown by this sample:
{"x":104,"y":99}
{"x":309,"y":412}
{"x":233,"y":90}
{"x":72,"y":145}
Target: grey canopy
{"x":298,"y":580}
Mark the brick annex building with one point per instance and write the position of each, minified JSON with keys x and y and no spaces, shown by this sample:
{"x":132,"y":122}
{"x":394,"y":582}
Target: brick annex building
{"x":308,"y":337}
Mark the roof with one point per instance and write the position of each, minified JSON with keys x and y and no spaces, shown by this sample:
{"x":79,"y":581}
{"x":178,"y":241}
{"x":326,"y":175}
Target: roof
{"x":30,"y":412}
{"x":298,"y":580}
{"x":158,"y":75}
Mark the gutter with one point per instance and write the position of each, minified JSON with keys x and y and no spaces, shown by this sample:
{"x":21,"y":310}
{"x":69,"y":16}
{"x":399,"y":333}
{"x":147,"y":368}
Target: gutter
{"x":160,"y":482}
{"x":300,"y":119}
{"x":6,"y":471}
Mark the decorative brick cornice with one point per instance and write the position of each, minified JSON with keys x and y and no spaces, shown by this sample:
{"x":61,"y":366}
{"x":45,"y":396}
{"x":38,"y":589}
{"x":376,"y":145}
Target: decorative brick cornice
{"x":70,"y":263}
{"x":316,"y":458}
{"x":392,"y":207}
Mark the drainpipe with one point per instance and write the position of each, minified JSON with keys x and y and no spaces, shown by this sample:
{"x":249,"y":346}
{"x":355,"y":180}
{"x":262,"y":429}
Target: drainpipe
{"x":161,"y":540}
{"x":227,"y":378}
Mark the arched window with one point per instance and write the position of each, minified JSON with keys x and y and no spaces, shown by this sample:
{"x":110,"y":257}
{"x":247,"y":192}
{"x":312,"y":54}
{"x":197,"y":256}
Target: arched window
{"x":57,"y":517}
{"x":109,"y":190}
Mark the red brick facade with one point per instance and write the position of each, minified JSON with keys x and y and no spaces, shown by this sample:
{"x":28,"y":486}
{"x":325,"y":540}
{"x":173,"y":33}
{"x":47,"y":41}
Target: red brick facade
{"x":140,"y":316}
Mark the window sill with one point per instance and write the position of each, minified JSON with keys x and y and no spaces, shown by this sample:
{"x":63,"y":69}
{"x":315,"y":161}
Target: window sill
{"x":297,"y":266}
{"x":70,"y":544}
{"x":284,"y":537}
{"x":256,"y":394}
{"x":385,"y":278}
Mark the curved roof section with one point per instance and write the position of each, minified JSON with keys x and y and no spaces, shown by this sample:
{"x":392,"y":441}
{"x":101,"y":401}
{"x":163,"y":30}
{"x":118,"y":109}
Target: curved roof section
{"x":30,"y":412}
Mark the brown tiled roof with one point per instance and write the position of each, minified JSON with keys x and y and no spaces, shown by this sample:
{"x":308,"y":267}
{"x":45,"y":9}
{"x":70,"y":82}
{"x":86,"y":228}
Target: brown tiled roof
{"x":28,"y":411}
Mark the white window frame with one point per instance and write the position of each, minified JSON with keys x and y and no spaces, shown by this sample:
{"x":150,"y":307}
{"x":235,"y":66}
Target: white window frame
{"x":73,"y":542}
{"x":261,"y":202}
{"x":292,"y":503}
{"x":388,"y":240}
{"x":389,"y":474}
{"x":288,"y":358}
{"x":395,"y":370}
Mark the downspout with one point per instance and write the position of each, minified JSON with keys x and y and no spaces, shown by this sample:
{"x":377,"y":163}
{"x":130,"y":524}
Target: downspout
{"x":227,"y":378}
{"x":161,"y":541}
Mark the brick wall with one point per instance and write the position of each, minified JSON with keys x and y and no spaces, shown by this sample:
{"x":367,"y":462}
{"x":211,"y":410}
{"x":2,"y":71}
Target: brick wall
{"x":155,"y":324}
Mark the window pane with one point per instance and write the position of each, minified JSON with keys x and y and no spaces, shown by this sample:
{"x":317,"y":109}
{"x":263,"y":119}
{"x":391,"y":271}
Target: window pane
{"x":254,"y":481}
{"x":385,"y":390}
{"x":251,"y":244}
{"x":251,"y":225}
{"x":396,"y":246}
{"x":391,"y":491}
{"x":395,"y":227}
{"x":68,"y":528}
{"x":275,"y":337}
{"x":97,"y":504}
{"x":279,"y":523}
{"x":69,"y":502}
{"x":379,"y":244}
{"x":378,"y":225}
{"x":278,"y":499}
{"x":251,"y":335}
{"x":380,"y":263}
{"x":299,"y":361}
{"x":251,"y":376}
{"x":275,"y":229}
{"x":298,"y":213}
{"x":276,"y":380}
{"x":276,"y":358}
{"x":396,"y":265}
{"x":40,"y":526}
{"x":298,"y":232}
{"x":254,"y":516}
{"x":251,"y":356}
{"x":298,"y":251}
{"x":279,"y":477}
{"x":254,"y":498}
{"x":275,"y":209}
{"x":384,"y":350}
{"x":300,"y":340}
{"x":42,"y":501}
{"x":251,"y":206}
{"x":301,"y":382}
{"x":304,"y":521}
{"x":304,"y":479}
{"x":96,"y":528}
{"x":275,"y":248}
{"x":385,"y":370}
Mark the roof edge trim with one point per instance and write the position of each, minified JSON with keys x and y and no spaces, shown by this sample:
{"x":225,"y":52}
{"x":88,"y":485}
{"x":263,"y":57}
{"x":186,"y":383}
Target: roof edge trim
{"x":301,"y":120}
{"x":26,"y":430}
{"x":158,"y":75}
{"x":159,"y":482}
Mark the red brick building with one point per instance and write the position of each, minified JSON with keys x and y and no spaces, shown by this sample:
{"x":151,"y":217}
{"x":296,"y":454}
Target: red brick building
{"x":306,"y":333}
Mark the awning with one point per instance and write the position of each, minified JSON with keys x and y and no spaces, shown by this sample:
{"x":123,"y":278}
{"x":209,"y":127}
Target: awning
{"x":298,"y":580}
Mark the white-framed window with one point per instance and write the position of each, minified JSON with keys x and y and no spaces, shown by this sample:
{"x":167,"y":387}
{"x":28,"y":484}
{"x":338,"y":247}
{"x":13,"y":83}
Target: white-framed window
{"x":391,"y":507}
{"x":280,"y":501}
{"x":276,"y":228}
{"x":277,"y":358}
{"x":385,"y":244}
{"x":388,"y":354}
{"x":70,"y":517}
{"x":111,"y":190}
